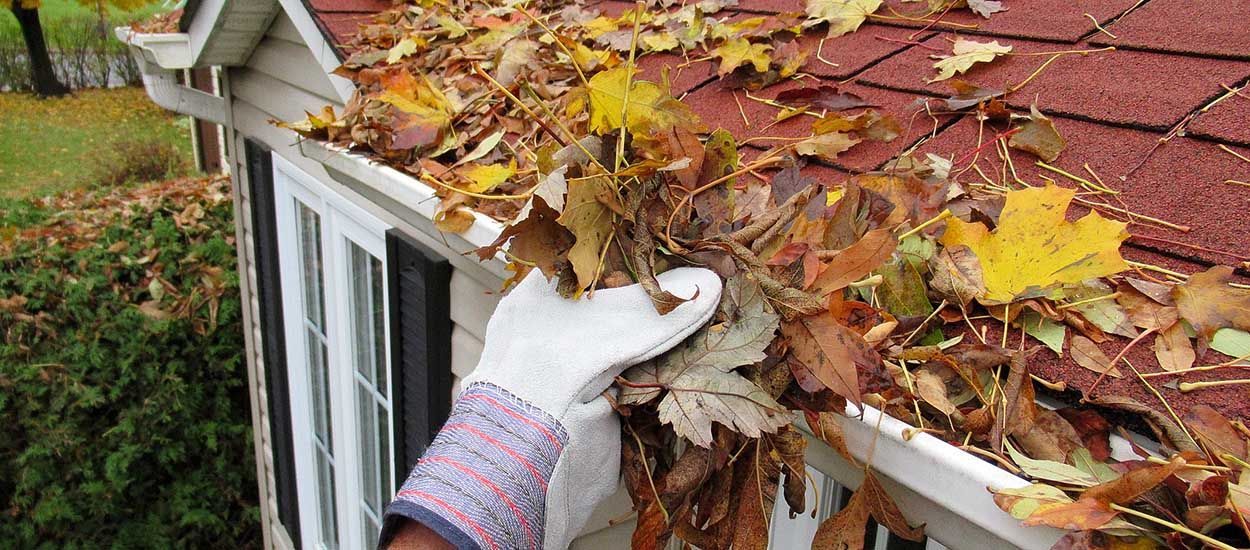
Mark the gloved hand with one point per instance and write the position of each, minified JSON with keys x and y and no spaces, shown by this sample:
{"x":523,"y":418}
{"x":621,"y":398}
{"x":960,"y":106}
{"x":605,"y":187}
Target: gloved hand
{"x":531,"y":446}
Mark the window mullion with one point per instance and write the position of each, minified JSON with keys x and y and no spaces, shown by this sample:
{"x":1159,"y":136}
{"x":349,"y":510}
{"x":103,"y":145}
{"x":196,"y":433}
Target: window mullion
{"x":343,"y":415}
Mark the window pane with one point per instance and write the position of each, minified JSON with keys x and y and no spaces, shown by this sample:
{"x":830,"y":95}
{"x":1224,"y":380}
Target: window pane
{"x":362,"y":311}
{"x":384,"y":436}
{"x":310,"y":253}
{"x":370,"y":485}
{"x":318,"y":373}
{"x":368,"y":318}
{"x":379,"y":329}
{"x":318,"y":369}
{"x":370,"y":531}
{"x":325,"y":483}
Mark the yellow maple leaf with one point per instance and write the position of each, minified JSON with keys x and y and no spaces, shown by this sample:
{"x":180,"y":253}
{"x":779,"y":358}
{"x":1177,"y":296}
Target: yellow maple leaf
{"x":660,"y":42}
{"x":967,"y":53}
{"x":650,"y":105}
{"x":843,"y":16}
{"x":486,"y":177}
{"x":1034,"y":248}
{"x":737,"y":52}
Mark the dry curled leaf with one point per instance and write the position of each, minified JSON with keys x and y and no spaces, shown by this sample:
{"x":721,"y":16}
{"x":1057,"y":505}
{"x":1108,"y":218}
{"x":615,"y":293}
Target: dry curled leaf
{"x":1038,"y":136}
{"x":1208,"y":302}
{"x":843,"y":16}
{"x":966,"y":53}
{"x":1088,"y":355}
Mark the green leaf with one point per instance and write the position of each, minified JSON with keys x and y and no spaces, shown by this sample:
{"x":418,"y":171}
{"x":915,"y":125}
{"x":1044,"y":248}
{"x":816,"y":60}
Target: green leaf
{"x":1050,"y":470}
{"x":1044,"y":329}
{"x":1084,"y":461}
{"x":1021,"y":502}
{"x":1231,"y":342}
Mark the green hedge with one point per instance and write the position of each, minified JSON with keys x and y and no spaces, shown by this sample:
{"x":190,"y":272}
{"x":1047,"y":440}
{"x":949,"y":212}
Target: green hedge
{"x":124,"y":416}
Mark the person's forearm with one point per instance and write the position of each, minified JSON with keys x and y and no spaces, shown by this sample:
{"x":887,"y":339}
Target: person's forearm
{"x":415,"y":536}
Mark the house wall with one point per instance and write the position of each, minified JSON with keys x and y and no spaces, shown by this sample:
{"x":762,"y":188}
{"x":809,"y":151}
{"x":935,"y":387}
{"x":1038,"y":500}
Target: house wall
{"x":280,"y":80}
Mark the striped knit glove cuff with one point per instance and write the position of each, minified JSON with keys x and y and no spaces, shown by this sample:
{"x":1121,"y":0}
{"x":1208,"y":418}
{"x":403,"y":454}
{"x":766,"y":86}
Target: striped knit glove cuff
{"x":482,"y":484}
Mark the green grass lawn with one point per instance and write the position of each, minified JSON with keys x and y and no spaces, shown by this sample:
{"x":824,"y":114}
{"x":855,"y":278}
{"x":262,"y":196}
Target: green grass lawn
{"x":52,"y":145}
{"x":52,"y":11}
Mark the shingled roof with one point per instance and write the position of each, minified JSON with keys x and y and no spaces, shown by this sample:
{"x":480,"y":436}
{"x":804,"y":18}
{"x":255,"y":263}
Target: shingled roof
{"x":339,"y":19}
{"x":1157,"y":118}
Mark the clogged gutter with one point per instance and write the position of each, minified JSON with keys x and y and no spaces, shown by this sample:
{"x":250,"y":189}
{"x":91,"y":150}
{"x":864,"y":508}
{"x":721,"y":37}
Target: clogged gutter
{"x":874,"y":289}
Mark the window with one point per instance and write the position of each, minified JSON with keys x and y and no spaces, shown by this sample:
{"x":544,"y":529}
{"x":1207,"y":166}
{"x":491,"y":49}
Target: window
{"x":372,"y":379}
{"x":339,"y":375}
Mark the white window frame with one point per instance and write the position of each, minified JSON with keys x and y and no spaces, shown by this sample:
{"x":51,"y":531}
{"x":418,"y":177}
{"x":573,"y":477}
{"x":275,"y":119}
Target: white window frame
{"x":341,"y":221}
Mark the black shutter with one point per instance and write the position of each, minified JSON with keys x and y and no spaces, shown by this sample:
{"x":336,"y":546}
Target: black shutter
{"x":273,"y":339}
{"x":418,"y":279}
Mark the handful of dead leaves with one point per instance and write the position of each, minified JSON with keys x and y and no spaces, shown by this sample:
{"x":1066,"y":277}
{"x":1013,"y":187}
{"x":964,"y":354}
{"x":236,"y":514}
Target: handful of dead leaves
{"x":849,"y":293}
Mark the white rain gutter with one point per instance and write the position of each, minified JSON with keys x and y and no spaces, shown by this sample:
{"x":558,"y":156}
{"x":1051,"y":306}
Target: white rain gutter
{"x":401,"y":187}
{"x":934,"y":482}
{"x":159,"y":57}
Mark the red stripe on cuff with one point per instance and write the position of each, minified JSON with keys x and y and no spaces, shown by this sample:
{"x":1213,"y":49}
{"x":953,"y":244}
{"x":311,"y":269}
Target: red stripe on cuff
{"x":494,"y":488}
{"x":550,"y":436}
{"x":533,"y":471}
{"x":422,"y":495}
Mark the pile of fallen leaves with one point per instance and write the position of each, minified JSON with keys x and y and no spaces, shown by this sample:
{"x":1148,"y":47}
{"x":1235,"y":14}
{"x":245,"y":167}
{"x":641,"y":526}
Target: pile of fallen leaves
{"x":159,"y":23}
{"x":838,"y":295}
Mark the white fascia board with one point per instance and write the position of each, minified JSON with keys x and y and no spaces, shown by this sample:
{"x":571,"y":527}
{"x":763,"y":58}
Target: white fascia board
{"x":405,"y":189}
{"x":322,"y":51}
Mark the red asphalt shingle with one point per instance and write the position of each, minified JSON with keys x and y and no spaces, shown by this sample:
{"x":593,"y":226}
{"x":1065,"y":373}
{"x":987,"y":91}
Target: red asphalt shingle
{"x":682,"y":78}
{"x":851,"y":53}
{"x":1033,"y":19}
{"x":717,"y":107}
{"x":357,"y":6}
{"x":1134,"y":88}
{"x":1203,"y":28}
{"x":1229,"y":400}
{"x":1228,"y":121}
{"x":1181,"y":182}
{"x":340,"y":27}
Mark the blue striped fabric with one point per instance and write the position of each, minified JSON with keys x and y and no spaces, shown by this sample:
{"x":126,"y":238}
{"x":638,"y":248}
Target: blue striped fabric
{"x":483,"y":482}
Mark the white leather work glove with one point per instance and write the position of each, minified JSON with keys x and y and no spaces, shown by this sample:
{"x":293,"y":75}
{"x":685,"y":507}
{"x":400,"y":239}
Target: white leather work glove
{"x":531,"y":446}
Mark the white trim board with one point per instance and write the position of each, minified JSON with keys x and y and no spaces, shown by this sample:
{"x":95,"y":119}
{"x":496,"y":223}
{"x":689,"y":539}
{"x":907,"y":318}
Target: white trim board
{"x":322,"y":51}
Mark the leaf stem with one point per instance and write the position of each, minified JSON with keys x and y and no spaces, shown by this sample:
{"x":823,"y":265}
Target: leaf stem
{"x":766,"y":161}
{"x":1120,"y":356}
{"x":647,"y":468}
{"x":1192,"y":369}
{"x":629,"y":77}
{"x":565,"y":129}
{"x":1111,"y":296}
{"x":559,"y":43}
{"x":1187,"y":387}
{"x":945,"y":214}
{"x":427,"y":177}
{"x":1170,"y":525}
{"x":478,"y":69}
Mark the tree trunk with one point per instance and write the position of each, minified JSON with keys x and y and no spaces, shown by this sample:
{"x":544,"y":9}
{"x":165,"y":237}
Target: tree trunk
{"x":41,"y":73}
